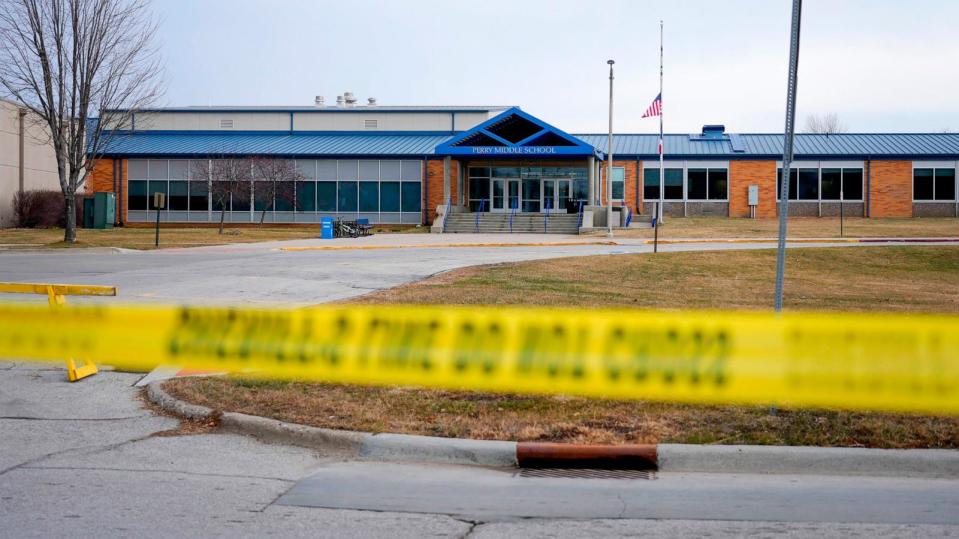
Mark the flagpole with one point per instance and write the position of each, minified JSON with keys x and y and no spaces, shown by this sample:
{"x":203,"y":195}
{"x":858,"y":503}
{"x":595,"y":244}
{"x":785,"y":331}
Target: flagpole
{"x":662,"y":143}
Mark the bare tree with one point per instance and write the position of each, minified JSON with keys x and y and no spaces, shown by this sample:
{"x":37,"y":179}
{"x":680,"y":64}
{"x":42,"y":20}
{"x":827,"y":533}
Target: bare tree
{"x":275,"y":179}
{"x":824,"y":124}
{"x":83,"y":67}
{"x":230,"y":181}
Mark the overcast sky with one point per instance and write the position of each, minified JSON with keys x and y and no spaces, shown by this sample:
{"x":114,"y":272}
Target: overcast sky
{"x":882,"y":65}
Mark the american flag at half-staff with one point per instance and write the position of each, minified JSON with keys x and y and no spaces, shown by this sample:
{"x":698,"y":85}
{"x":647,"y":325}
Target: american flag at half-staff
{"x":656,"y":109}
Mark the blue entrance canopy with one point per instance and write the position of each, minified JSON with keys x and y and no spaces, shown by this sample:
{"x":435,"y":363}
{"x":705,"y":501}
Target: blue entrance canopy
{"x":513,"y":133}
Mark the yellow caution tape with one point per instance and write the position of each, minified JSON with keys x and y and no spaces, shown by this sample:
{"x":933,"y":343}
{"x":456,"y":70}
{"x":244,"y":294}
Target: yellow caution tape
{"x":855,"y":361}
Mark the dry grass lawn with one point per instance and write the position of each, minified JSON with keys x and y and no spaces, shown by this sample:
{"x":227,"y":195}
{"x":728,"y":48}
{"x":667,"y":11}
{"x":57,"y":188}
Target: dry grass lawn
{"x":143,"y":238}
{"x":558,"y":419}
{"x":800,"y":227}
{"x":850,"y":278}
{"x":900,"y":278}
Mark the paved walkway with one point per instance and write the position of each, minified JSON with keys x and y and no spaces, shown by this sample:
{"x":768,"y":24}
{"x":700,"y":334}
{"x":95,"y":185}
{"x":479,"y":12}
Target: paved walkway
{"x":264,"y":273}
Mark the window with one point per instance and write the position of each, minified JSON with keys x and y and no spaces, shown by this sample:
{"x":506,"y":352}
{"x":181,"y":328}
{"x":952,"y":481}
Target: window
{"x":696,"y":182}
{"x":325,"y":196}
{"x":137,"y":195}
{"x":241,"y":195}
{"x":831,"y":183}
{"x":934,"y":184}
{"x":718,"y":184}
{"x":346,"y":196}
{"x":156,"y":187}
{"x":390,"y":196}
{"x":619,"y":182}
{"x":945,"y":184}
{"x":199,"y":196}
{"x":706,"y":184}
{"x":179,"y":196}
{"x":651,"y":184}
{"x":369,"y":196}
{"x":221,"y":196}
{"x":283,"y":196}
{"x":262,"y":196}
{"x":305,"y":196}
{"x":852,"y":184}
{"x":808,"y":184}
{"x":411,"y":197}
{"x":673,"y":185}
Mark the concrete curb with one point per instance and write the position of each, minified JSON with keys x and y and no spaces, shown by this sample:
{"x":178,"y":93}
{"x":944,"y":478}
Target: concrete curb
{"x":675,"y":458}
{"x":391,"y":447}
{"x":941,"y":463}
{"x":445,"y":245}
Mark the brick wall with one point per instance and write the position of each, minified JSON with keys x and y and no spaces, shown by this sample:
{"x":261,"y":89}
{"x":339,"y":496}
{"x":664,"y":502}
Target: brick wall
{"x":434,"y":187}
{"x":629,"y":193}
{"x":742,"y":174}
{"x":890,"y":191}
{"x":100,"y":179}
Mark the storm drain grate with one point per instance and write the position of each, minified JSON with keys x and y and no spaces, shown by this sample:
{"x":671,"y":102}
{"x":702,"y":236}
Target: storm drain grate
{"x":586,"y":473}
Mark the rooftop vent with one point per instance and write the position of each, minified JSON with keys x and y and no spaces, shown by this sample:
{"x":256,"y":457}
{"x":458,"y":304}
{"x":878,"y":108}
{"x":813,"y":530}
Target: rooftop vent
{"x":349,"y":98}
{"x":318,"y":101}
{"x":339,"y":101}
{"x":713,"y":131}
{"x":371,"y":101}
{"x":226,"y":123}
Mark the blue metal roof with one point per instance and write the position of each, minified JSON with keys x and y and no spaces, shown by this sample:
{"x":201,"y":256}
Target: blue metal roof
{"x":206,"y":144}
{"x":768,"y":146}
{"x":845,"y":145}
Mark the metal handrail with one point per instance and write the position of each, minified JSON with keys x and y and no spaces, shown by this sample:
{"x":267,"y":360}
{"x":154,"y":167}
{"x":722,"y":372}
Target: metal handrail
{"x":476,"y":221}
{"x":549,"y":203}
{"x":579,"y":220}
{"x":449,"y":208}
{"x":512,"y":212}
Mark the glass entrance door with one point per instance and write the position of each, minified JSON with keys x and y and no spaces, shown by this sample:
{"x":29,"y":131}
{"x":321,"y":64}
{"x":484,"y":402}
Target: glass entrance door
{"x":557,"y":194}
{"x":496,"y":194}
{"x":512,"y":194}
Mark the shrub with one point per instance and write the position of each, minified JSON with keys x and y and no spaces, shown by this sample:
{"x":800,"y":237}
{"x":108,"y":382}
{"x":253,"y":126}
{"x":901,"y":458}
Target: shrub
{"x":40,"y":209}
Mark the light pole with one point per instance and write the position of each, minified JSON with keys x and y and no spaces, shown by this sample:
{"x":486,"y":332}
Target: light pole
{"x":609,"y":158}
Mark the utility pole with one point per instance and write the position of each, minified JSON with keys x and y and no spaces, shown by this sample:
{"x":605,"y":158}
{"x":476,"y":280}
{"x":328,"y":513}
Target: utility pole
{"x":609,"y":158}
{"x":788,"y":151}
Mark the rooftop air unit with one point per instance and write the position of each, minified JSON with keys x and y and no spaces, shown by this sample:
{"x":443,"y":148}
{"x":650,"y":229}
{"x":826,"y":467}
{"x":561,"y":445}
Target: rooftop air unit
{"x":349,"y":98}
{"x":318,"y":101}
{"x":339,"y":101}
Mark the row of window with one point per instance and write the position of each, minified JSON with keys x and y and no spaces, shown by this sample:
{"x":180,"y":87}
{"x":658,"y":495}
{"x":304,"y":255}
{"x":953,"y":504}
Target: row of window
{"x":302,"y":196}
{"x":311,"y":169}
{"x":692,"y":183}
{"x":815,"y":184}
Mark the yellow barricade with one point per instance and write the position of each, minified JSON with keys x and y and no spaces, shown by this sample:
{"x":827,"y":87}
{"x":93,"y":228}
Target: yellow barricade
{"x":55,"y":296}
{"x":855,"y":361}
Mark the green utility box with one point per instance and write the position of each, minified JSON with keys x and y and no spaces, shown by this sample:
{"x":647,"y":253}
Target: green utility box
{"x":104,"y":210}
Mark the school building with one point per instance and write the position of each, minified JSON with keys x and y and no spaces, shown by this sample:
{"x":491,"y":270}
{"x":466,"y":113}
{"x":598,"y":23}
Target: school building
{"x":484,"y":166}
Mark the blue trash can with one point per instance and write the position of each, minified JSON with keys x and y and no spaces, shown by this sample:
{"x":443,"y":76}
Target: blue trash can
{"x":326,"y":228}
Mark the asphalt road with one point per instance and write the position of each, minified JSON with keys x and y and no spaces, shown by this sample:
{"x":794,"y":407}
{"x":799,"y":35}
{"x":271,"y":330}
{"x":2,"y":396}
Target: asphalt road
{"x":85,"y":459}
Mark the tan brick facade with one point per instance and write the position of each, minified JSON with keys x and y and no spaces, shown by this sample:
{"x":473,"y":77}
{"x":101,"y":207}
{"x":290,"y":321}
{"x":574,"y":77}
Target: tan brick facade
{"x":629,"y":193}
{"x":434,"y":186}
{"x":742,"y":174}
{"x":101,"y":180}
{"x":890,"y":189}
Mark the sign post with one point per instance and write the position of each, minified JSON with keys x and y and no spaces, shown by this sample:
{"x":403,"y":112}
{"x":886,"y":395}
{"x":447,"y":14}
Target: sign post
{"x":159,"y":202}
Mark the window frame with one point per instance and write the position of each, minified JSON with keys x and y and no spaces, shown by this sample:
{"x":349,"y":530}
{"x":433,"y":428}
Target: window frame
{"x":685,"y":166}
{"x":936,"y":166}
